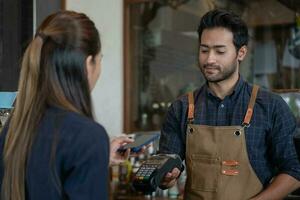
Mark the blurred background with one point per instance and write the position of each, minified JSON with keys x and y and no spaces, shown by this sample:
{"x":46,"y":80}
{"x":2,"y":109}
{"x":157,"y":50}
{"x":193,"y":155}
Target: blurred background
{"x":150,"y":50}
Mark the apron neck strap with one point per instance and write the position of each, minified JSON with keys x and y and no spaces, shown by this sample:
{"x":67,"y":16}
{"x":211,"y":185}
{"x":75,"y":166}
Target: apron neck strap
{"x":191,"y":108}
{"x":248,"y":116}
{"x":249,"y":112}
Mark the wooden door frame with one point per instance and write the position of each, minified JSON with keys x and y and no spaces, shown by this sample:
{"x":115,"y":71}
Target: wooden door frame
{"x":63,"y":4}
{"x":127,"y":69}
{"x":128,"y":124}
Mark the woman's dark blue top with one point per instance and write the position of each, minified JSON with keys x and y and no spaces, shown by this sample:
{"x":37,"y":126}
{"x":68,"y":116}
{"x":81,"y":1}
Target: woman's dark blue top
{"x":69,"y":158}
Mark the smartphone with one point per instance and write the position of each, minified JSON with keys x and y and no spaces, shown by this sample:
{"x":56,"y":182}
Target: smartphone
{"x":139,"y":141}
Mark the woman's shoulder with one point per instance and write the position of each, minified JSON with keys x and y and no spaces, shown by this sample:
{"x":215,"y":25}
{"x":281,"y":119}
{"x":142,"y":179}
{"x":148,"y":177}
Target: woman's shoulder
{"x":81,"y":143}
{"x":74,"y":125}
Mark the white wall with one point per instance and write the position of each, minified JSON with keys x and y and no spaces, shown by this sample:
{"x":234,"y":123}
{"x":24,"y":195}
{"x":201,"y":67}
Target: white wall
{"x":108,"y":93}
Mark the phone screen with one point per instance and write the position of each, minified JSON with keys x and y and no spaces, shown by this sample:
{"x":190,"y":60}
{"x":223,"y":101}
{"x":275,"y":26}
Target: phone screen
{"x":140,"y":141}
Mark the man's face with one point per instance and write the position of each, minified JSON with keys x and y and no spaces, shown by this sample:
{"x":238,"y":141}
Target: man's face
{"x":218,"y":57}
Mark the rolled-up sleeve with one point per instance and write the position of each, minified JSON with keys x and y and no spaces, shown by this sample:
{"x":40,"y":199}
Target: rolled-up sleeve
{"x":283,"y":151}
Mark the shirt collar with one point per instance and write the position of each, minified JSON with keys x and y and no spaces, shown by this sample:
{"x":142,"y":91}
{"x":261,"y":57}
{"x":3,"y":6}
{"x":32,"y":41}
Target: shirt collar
{"x":236,"y":90}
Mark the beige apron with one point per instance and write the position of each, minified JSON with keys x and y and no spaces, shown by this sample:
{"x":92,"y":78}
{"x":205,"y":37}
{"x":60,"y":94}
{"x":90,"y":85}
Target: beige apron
{"x":217,"y":162}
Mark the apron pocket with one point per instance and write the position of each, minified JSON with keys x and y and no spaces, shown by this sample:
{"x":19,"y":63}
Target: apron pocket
{"x":205,"y":172}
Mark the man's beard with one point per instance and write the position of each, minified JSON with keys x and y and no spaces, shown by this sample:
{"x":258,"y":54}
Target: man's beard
{"x":221,"y":75}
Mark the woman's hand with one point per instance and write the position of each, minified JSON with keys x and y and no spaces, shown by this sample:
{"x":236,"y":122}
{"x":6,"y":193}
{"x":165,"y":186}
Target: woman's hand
{"x":119,"y":157}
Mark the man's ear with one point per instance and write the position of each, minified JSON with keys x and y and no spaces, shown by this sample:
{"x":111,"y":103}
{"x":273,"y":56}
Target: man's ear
{"x":242,"y":53}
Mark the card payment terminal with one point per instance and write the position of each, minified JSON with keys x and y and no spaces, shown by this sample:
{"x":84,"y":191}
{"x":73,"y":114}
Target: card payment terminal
{"x":153,"y":170}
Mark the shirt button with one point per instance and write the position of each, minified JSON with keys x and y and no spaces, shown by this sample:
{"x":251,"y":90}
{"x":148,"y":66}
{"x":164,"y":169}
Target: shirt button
{"x":222,"y":106}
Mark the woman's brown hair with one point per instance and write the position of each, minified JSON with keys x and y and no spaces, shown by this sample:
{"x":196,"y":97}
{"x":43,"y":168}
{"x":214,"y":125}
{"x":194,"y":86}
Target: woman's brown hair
{"x":53,"y":73}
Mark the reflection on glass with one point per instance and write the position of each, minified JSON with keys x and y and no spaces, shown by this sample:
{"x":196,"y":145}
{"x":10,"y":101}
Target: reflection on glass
{"x":293,"y":100}
{"x":4,"y":115}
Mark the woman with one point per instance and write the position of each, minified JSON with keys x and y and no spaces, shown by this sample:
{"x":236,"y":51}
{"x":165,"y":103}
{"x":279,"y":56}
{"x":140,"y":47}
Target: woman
{"x":52,"y":148}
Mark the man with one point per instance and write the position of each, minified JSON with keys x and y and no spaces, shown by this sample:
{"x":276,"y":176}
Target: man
{"x":236,"y":139}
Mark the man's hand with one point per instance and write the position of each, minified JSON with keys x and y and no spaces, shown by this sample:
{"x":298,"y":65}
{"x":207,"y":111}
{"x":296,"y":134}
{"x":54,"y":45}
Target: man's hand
{"x":170,"y":178}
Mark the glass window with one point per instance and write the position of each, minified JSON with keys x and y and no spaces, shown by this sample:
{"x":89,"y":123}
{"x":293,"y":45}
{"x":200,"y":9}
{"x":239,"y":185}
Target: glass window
{"x":161,"y":51}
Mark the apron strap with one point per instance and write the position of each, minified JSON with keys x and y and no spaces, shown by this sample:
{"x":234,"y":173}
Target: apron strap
{"x":248,"y":116}
{"x":191,"y":108}
{"x":251,"y":104}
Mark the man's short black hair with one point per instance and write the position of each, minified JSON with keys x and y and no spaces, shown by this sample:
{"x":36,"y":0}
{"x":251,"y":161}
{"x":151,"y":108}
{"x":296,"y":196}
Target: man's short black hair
{"x":228,"y":20}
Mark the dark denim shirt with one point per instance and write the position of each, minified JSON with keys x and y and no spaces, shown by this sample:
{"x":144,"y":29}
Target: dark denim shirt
{"x":269,"y":138}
